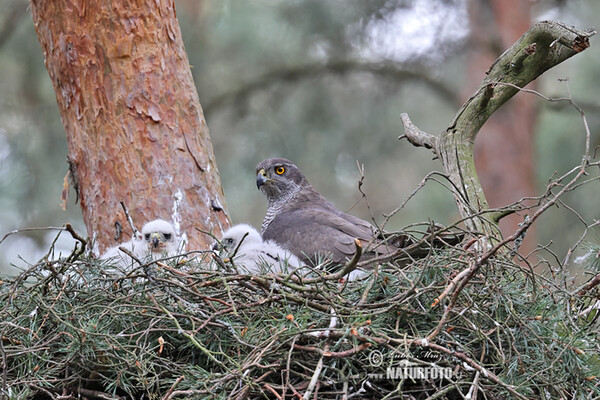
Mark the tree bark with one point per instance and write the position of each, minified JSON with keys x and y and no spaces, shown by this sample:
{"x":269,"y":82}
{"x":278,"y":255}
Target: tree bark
{"x":543,"y":46}
{"x":135,"y":128}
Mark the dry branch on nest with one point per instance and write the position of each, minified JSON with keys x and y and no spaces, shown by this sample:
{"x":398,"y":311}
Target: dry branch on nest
{"x":462,"y":321}
{"x":174,"y":329}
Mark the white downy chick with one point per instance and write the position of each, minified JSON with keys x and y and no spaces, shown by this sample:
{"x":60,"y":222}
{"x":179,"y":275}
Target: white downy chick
{"x":160,"y":239}
{"x":243,"y":244}
{"x":157,"y":240}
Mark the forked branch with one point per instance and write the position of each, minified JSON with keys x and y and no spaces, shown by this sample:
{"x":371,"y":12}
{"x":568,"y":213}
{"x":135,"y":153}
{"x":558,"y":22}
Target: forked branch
{"x":545,"y":45}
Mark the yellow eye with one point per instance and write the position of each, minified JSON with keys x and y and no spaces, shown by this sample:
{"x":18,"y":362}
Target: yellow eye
{"x":279,"y":170}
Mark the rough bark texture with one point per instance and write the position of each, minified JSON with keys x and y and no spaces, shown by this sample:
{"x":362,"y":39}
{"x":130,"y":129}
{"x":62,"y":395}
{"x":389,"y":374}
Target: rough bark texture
{"x":543,"y":46}
{"x":505,"y":149}
{"x":135,"y":128}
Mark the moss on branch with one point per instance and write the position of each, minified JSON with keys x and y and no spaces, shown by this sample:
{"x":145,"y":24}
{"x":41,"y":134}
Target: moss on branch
{"x":545,"y":45}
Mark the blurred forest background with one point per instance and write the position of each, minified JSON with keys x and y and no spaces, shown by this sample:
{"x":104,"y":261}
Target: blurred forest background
{"x":323,"y":83}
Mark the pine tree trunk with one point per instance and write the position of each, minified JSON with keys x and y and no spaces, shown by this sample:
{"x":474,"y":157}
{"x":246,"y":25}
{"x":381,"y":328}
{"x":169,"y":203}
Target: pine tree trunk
{"x":135,"y":128}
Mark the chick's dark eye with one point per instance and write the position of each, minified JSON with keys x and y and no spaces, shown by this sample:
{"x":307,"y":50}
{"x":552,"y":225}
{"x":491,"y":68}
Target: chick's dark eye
{"x":228,"y":240}
{"x":167,"y":236}
{"x":147,"y":236}
{"x":279,"y":170}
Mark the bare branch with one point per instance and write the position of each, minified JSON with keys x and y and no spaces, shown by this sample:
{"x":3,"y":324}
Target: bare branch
{"x":544,"y":46}
{"x":394,"y":71}
{"x":416,"y":136}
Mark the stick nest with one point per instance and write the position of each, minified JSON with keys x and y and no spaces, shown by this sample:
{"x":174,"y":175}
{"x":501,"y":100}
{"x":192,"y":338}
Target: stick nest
{"x":186,"y":329}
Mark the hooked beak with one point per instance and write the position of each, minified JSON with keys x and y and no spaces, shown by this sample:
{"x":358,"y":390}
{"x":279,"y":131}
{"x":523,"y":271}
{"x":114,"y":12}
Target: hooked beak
{"x":155,"y":240}
{"x":261,"y":178}
{"x":216,"y":246}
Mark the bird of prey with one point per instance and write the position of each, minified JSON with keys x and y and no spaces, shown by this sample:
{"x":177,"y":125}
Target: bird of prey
{"x":302,"y":221}
{"x":242,"y":244}
{"x":160,"y":238}
{"x":157,"y":239}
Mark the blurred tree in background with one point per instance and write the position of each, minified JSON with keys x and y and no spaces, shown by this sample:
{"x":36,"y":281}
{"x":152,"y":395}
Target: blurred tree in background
{"x":323,"y":84}
{"x":505,"y":154}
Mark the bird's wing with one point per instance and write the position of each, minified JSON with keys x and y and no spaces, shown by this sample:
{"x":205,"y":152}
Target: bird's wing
{"x":282,"y":256}
{"x":247,"y":262}
{"x":311,"y":232}
{"x":119,"y":259}
{"x":139,"y":248}
{"x":361,"y":229}
{"x":309,"y":199}
{"x":257,"y":259}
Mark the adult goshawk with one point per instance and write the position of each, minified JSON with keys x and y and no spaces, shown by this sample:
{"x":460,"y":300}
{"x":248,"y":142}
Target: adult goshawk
{"x":302,"y":221}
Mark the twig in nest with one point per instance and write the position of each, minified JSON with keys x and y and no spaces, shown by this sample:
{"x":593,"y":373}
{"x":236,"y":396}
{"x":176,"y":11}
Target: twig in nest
{"x":453,"y":283}
{"x":315,"y":377}
{"x":75,"y":255}
{"x":270,"y":389}
{"x":350,"y":265}
{"x":461,"y":356}
{"x":368,"y":288}
{"x":207,"y":233}
{"x":190,"y":336}
{"x":130,"y":254}
{"x":332,"y":325}
{"x":130,"y":220}
{"x":219,"y":261}
{"x":473,"y":390}
{"x":75,"y":235}
{"x":595,"y":281}
{"x":97,"y":394}
{"x":173,"y":270}
{"x":333,"y":354}
{"x":167,"y":395}
{"x":49,"y":228}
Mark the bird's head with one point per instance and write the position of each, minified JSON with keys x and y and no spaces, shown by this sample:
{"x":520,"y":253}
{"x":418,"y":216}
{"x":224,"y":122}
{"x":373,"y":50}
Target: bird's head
{"x":278,"y":178}
{"x":237,"y":237}
{"x":159,"y":235}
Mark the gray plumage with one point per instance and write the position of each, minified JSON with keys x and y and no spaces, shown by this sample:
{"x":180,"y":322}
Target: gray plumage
{"x":243,"y":244}
{"x":299,"y":219}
